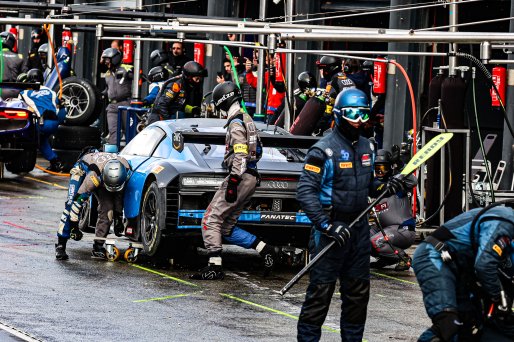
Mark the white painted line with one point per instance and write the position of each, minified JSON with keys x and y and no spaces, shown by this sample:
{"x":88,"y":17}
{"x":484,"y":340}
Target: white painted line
{"x":18,"y":333}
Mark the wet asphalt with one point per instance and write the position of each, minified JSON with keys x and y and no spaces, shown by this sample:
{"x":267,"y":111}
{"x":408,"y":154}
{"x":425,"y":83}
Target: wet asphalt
{"x":90,"y":300}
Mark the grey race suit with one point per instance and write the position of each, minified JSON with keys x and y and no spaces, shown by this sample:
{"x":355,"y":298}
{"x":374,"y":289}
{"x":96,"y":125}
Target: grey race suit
{"x":395,"y":217}
{"x":109,"y":203}
{"x":119,"y":94}
{"x":221,"y":216}
{"x":14,"y":65}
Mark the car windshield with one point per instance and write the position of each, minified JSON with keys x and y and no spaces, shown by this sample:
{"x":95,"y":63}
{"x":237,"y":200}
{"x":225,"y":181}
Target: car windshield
{"x":144,"y":143}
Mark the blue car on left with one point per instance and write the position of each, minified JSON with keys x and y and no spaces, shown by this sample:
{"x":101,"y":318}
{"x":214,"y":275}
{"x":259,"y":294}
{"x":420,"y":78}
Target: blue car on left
{"x":18,"y":136}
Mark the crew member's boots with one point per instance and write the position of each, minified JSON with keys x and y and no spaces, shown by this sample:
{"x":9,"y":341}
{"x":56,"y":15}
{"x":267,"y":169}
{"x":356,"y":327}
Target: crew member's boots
{"x":213,"y":271}
{"x":99,"y":251}
{"x":60,"y":249}
{"x":56,"y":165}
{"x":269,"y":257}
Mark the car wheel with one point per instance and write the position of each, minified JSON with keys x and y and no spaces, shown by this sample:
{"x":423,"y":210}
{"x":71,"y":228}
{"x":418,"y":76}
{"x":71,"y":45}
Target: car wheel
{"x":25,"y":162}
{"x":153,"y":222}
{"x":79,"y":97}
{"x":76,"y":137}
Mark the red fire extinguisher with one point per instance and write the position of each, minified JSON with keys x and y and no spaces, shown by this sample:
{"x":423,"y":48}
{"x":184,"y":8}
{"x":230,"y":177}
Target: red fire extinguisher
{"x":199,"y":53}
{"x":379,"y":77}
{"x":128,"y":51}
{"x":499,"y":80}
{"x":279,"y":64}
{"x":67,"y":39}
{"x":14,"y":31}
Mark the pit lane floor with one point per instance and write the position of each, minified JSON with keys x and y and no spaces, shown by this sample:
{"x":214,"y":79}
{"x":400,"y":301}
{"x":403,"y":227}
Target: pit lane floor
{"x":88,"y":300}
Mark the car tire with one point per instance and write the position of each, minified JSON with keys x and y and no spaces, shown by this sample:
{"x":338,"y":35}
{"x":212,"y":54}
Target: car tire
{"x":76,"y":137}
{"x":81,"y":100}
{"x":25,"y":162}
{"x":152,"y":219}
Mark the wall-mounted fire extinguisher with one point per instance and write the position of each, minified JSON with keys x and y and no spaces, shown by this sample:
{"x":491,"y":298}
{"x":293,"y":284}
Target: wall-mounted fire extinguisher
{"x":67,"y":38}
{"x":14,"y":31}
{"x":128,"y":51}
{"x":499,"y":79}
{"x":379,"y":77}
{"x":279,"y":63}
{"x":199,"y":53}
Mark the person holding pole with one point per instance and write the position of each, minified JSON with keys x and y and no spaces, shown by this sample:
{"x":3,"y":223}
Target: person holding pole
{"x":333,"y":191}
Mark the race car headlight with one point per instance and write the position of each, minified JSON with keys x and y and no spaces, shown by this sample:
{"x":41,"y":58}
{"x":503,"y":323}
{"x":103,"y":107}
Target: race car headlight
{"x":202,"y":181}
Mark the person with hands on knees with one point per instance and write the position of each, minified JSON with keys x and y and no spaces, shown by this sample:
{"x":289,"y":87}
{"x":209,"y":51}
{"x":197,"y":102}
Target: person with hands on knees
{"x":180,"y":96}
{"x":461,"y":269}
{"x":104,"y":175}
{"x":333,"y":191}
{"x":243,"y":151}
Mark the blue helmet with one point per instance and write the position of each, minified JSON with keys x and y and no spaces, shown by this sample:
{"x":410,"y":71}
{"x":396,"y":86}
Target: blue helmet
{"x":352,"y":105}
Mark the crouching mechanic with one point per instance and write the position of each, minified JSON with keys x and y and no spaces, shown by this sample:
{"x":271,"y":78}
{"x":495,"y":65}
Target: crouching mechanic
{"x":393,"y":214}
{"x":104,"y":175}
{"x":243,"y":150}
{"x":459,"y":264}
{"x":46,"y":104}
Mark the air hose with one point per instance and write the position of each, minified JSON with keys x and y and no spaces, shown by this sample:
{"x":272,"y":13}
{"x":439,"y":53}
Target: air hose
{"x":489,"y":78}
{"x":234,"y":72}
{"x":1,"y":64}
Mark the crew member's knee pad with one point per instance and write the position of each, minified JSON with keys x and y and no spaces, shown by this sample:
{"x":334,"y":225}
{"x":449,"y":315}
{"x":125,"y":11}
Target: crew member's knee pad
{"x":355,"y":295}
{"x":317,"y":302}
{"x":446,"y":325}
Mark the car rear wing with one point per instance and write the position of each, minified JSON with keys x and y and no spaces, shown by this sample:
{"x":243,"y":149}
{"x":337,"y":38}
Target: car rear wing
{"x":268,"y":140}
{"x":20,"y":85}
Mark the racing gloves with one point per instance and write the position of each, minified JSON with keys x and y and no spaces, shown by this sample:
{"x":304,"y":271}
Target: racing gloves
{"x":75,"y":232}
{"x":397,"y":184}
{"x":231,"y":192}
{"x":339,"y":234}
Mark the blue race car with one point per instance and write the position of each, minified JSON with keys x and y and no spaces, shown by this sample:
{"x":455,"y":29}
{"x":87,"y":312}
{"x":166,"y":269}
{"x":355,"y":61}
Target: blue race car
{"x":177,"y":168}
{"x":19,"y":138}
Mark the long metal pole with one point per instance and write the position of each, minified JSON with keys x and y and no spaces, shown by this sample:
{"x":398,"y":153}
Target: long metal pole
{"x":508,"y":140}
{"x":262,"y":63}
{"x":136,"y":90}
{"x":289,"y":70}
{"x":452,"y":61}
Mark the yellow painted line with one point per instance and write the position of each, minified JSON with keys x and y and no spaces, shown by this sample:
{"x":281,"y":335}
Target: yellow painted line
{"x":44,"y":182}
{"x":178,"y":280}
{"x":267,"y":308}
{"x":394,"y":278}
{"x":160,"y":298}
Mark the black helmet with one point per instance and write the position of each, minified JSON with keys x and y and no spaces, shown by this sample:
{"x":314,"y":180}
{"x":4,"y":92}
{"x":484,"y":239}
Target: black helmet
{"x":114,"y":55}
{"x":306,"y":80}
{"x":330,"y":66}
{"x":383,"y":163}
{"x":36,"y":33}
{"x":159,"y":57}
{"x":8,"y":40}
{"x":114,"y":175}
{"x":192,"y":69}
{"x":224,"y":95}
{"x":35,"y":76}
{"x":158,"y":74}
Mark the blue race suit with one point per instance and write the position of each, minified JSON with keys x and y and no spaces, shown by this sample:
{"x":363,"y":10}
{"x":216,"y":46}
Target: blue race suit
{"x":333,"y":188}
{"x":46,"y":105}
{"x":447,"y":284}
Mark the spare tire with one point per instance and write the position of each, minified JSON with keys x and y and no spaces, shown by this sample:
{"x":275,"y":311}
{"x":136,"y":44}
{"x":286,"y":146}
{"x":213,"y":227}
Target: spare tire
{"x":75,"y":137}
{"x":81,"y":100}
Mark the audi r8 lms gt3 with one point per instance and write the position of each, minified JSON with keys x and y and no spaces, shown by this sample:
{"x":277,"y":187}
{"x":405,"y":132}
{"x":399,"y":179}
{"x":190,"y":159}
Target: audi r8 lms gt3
{"x":177,"y":168}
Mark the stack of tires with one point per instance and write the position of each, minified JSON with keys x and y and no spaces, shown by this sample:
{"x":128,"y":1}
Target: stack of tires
{"x":83,"y":105}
